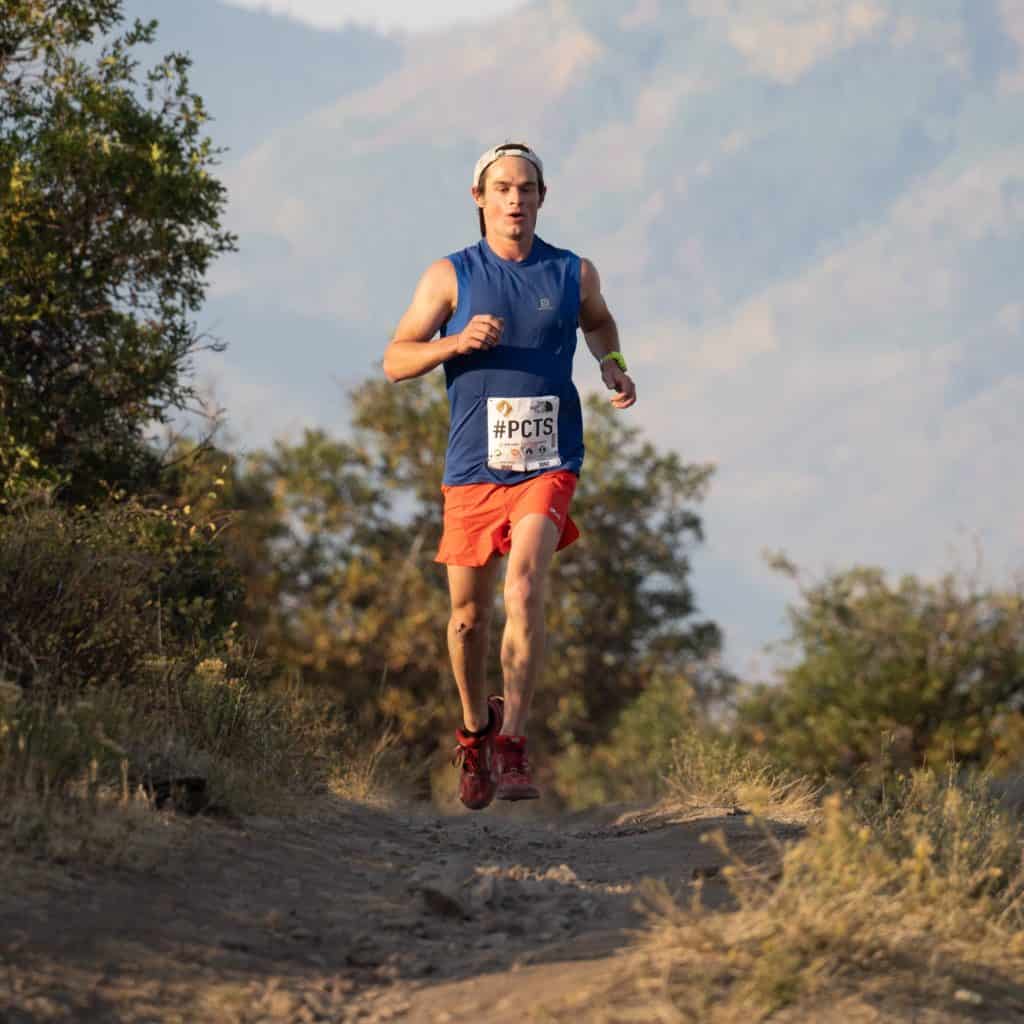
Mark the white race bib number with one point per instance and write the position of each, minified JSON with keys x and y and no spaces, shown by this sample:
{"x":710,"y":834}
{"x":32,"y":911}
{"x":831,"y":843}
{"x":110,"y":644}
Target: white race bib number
{"x":522,"y":433}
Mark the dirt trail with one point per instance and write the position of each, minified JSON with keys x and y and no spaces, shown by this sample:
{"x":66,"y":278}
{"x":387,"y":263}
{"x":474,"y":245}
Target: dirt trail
{"x":347,"y":914}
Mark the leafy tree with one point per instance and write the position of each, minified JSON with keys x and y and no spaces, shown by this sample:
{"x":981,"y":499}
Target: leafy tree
{"x":339,"y":539}
{"x":896,"y":675}
{"x":109,"y":220}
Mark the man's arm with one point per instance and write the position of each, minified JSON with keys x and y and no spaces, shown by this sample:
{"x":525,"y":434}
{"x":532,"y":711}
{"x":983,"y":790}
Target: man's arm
{"x":602,"y":336}
{"x":433,"y":302}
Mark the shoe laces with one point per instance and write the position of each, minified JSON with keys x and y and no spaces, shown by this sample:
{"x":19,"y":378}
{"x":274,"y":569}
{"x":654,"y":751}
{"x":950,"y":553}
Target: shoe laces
{"x":470,"y":758}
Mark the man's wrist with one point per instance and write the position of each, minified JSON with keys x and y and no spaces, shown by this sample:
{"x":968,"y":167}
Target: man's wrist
{"x":617,"y":357}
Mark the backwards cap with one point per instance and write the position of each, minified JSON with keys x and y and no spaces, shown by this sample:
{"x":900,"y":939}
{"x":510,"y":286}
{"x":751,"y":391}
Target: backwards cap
{"x":506,"y":149}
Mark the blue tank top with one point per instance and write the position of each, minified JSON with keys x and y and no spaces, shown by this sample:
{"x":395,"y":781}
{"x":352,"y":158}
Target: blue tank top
{"x":515,"y":412}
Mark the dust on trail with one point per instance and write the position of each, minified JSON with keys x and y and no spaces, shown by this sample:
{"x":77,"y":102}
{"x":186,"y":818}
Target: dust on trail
{"x":349,"y":913}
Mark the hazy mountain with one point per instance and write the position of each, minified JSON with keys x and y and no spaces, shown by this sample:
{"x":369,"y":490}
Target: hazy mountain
{"x":808,"y":215}
{"x":258,"y":72}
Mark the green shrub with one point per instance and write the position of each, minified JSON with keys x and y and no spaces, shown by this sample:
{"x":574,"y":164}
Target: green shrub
{"x":90,"y":595}
{"x":889,"y":676}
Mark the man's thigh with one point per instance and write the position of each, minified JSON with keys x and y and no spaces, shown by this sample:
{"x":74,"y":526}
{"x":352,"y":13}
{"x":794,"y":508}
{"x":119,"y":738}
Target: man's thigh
{"x":534,"y":542}
{"x":473,"y":584}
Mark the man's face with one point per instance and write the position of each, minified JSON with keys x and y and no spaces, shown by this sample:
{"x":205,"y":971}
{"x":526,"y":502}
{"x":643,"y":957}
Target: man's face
{"x":511,"y":198}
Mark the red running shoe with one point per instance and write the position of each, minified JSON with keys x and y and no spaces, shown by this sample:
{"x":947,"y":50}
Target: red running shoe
{"x":478,"y":780}
{"x":514,"y":779}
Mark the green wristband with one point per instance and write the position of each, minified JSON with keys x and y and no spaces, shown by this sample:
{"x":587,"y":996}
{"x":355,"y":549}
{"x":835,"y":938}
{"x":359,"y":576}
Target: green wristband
{"x":617,"y":356}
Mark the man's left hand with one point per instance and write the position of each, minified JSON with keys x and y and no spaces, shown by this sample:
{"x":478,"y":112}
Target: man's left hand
{"x":616,"y":379}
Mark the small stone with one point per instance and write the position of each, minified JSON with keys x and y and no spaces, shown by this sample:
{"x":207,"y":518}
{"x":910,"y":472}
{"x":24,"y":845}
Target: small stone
{"x":706,"y":871}
{"x":364,"y":954}
{"x":484,"y":891}
{"x":965,"y":995}
{"x":440,"y":900}
{"x":444,"y":889}
{"x":563,"y":873}
{"x":280,"y":1004}
{"x":46,"y":1007}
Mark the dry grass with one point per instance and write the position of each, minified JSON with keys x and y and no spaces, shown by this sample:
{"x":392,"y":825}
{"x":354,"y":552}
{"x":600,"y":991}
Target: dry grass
{"x":707,"y":771}
{"x":376,"y":771}
{"x":917,"y":905}
{"x":110,"y":831}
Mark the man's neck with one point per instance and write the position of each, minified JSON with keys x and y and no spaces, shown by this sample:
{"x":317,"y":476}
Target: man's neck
{"x":516,"y":249}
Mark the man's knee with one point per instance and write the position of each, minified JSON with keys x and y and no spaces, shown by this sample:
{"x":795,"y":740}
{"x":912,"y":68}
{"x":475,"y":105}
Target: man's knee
{"x":468,"y":620}
{"x":524,"y":595}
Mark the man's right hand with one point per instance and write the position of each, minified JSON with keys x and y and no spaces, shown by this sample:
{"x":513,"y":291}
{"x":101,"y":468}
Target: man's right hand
{"x":481,"y":333}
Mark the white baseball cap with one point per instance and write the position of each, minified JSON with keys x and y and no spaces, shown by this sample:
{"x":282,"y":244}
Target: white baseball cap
{"x":506,"y":149}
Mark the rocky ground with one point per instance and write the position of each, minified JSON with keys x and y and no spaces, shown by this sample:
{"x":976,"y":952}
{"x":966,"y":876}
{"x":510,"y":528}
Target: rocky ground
{"x":348,"y":913}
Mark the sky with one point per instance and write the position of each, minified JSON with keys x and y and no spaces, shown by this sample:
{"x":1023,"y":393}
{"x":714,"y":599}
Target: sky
{"x":808,"y":218}
{"x":404,"y":15}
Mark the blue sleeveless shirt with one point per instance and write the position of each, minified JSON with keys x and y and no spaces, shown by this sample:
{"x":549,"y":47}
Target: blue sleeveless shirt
{"x":515,"y":412}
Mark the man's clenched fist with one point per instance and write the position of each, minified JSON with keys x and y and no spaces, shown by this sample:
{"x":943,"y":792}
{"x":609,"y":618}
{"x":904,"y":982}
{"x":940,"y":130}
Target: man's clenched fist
{"x":481,"y":333}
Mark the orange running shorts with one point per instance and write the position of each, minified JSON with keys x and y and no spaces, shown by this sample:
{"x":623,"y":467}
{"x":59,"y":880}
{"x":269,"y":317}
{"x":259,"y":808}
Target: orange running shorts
{"x":478,"y":518}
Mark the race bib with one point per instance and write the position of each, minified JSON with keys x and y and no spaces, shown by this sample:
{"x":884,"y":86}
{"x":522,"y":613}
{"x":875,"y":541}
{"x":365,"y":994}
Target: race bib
{"x":522,"y":433}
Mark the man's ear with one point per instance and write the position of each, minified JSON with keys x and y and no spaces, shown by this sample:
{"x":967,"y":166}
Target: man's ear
{"x":543,"y":196}
{"x":478,"y":196}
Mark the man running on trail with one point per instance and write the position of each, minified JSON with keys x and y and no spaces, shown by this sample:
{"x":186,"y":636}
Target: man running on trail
{"x":507,"y":310}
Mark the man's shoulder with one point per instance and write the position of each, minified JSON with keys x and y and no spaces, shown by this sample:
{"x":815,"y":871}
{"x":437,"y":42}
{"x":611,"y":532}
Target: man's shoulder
{"x":438,"y":283}
{"x":469,"y":252}
{"x":555,"y":252}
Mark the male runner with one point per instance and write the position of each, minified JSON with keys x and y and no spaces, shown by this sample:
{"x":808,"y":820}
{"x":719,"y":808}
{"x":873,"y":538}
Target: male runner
{"x":507,"y":310}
